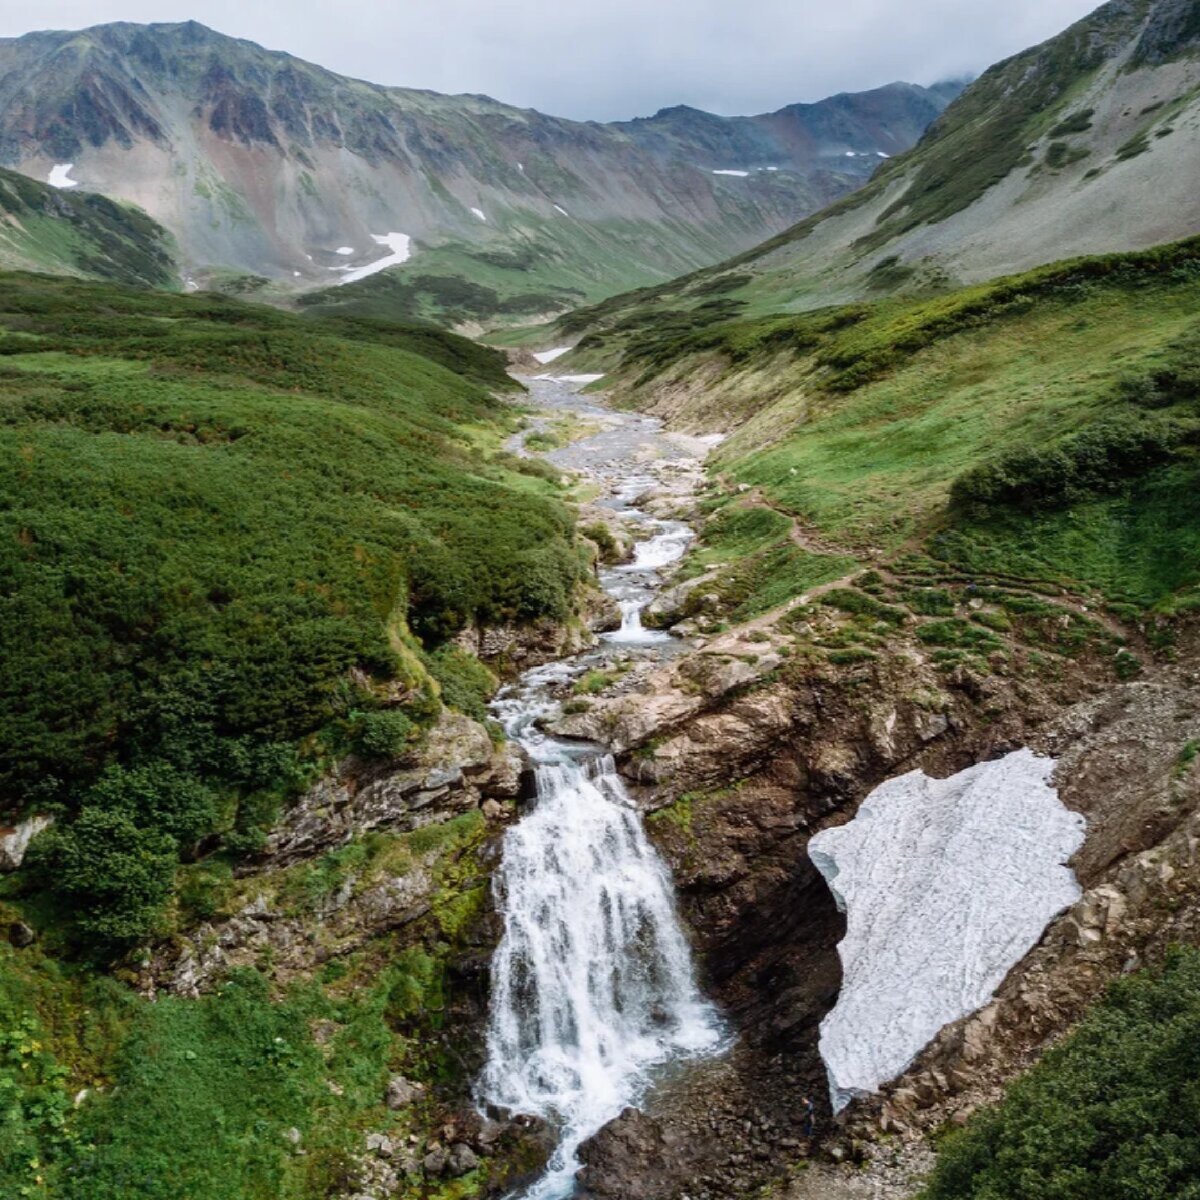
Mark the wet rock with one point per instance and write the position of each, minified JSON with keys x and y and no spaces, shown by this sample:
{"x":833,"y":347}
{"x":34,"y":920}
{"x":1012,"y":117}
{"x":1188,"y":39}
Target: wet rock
{"x":631,"y":1158}
{"x":462,"y":1159}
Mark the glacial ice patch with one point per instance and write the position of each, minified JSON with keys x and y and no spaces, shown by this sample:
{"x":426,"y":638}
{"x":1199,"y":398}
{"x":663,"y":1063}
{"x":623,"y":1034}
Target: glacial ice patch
{"x":946,"y":885}
{"x":60,"y":176}
{"x":400,"y":245}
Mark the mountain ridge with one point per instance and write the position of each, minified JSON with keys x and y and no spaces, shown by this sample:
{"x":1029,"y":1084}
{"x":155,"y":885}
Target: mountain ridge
{"x":261,"y":163}
{"x":1084,"y":144}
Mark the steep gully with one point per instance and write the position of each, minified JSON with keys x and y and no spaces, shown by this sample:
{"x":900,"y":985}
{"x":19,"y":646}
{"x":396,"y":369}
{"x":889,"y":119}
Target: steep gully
{"x":593,"y":991}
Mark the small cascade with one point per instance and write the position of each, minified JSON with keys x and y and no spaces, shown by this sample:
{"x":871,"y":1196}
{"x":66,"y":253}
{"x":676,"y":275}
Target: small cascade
{"x":592,"y":984}
{"x":632,"y":631}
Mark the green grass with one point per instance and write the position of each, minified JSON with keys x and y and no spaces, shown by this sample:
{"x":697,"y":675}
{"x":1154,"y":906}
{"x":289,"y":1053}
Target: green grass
{"x":225,"y":530}
{"x":81,"y":233}
{"x":1070,"y":391}
{"x":1112,"y":1114}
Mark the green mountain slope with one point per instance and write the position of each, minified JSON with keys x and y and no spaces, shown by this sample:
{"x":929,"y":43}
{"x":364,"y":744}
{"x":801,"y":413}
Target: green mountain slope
{"x":225,"y":530}
{"x":68,"y":233}
{"x":265,"y":165}
{"x":1087,"y":144}
{"x":1044,"y":428}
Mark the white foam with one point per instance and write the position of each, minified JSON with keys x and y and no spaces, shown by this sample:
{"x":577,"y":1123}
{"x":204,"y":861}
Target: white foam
{"x":479,"y":213}
{"x":739,"y":174}
{"x":545,"y":357}
{"x":60,"y":176}
{"x":946,"y":885}
{"x":400,"y":245}
{"x":345,"y":249}
{"x":880,"y":154}
{"x":592,"y":982}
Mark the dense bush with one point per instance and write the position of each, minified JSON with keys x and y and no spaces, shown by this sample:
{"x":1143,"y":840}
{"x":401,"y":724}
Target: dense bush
{"x":386,"y":733}
{"x":114,"y":874}
{"x":1104,"y":457}
{"x":1113,"y":1114}
{"x":222,"y":526}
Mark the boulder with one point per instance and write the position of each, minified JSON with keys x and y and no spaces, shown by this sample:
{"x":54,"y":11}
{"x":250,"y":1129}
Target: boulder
{"x":462,"y":1159}
{"x":15,"y":839}
{"x":402,"y":1092}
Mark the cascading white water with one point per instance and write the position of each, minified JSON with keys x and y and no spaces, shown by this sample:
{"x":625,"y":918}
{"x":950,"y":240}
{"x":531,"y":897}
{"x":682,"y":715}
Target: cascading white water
{"x":632,"y":631}
{"x":592,"y":984}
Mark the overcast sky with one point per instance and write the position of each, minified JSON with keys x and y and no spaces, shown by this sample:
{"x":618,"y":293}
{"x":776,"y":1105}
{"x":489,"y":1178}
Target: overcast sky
{"x":610,"y":59}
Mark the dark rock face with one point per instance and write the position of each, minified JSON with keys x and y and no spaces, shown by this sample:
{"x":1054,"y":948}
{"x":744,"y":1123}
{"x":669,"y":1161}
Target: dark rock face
{"x":1173,"y":29}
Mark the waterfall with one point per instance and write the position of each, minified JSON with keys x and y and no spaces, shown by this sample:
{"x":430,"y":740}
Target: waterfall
{"x":592,"y":983}
{"x":632,"y":631}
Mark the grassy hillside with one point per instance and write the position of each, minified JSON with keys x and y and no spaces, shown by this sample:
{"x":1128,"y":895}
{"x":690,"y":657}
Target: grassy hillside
{"x":79,"y":233}
{"x":234,"y":541}
{"x":1042,"y":429}
{"x":1082,"y":145}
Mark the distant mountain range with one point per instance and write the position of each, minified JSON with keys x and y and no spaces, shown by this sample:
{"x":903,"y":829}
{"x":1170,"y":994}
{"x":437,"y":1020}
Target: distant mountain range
{"x":1087,"y":144}
{"x":263,"y":165}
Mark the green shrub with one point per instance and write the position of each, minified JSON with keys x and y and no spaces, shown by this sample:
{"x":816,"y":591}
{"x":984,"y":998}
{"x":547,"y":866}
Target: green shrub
{"x":466,"y":683}
{"x":387,"y":733}
{"x":860,"y":604}
{"x":1112,"y":1114}
{"x":114,"y":876}
{"x":1077,"y":122}
{"x":1105,"y":457}
{"x":601,"y":535}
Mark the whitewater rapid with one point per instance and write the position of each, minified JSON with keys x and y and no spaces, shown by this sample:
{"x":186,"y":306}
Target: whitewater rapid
{"x":593,"y":987}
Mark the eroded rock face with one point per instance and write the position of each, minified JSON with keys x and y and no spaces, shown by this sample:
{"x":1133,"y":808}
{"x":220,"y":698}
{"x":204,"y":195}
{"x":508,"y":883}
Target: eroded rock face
{"x":737,"y":779}
{"x":449,"y":774}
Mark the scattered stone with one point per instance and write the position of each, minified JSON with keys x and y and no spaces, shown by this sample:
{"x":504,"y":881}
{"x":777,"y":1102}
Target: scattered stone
{"x":380,"y":1144}
{"x":21,"y":935}
{"x":402,"y":1092}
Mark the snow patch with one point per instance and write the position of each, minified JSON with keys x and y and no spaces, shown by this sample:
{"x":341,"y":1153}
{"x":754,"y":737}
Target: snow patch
{"x":345,"y":250}
{"x":947,"y":884}
{"x":772,"y":168}
{"x":851,"y":154}
{"x":559,"y":208}
{"x":570,"y":378}
{"x":400,"y":245}
{"x":60,"y":176}
{"x":880,"y":154}
{"x":739,"y":174}
{"x":545,"y":357}
{"x":479,"y":213}
{"x":521,"y":168}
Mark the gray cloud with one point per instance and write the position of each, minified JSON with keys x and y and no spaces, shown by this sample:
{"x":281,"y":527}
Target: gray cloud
{"x":610,"y":59}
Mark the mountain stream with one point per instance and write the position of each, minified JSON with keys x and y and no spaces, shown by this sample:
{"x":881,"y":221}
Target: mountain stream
{"x":593,"y":990}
